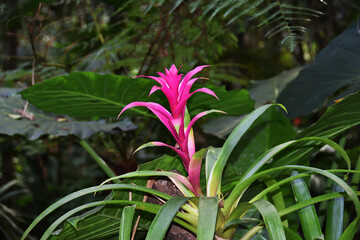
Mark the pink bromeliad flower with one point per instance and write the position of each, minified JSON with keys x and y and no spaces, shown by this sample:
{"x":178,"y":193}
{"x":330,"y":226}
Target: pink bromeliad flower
{"x":177,"y":90}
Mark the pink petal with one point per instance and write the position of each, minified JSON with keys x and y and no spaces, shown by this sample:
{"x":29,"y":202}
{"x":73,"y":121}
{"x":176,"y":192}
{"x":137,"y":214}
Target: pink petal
{"x":161,"y":81}
{"x":185,"y":88}
{"x":184,"y":98}
{"x":161,"y":112}
{"x":183,"y":156}
{"x":154,"y":89}
{"x":193,"y":72}
{"x":205,"y":90}
{"x":173,"y":69}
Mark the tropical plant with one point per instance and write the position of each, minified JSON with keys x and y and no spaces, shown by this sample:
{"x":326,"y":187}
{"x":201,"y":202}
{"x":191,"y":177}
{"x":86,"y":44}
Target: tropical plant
{"x":214,"y":203}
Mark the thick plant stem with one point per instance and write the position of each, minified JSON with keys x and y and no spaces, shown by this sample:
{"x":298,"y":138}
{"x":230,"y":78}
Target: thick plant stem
{"x":102,"y":164}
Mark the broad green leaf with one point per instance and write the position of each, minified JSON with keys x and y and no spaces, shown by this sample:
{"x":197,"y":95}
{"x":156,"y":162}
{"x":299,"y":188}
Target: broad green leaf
{"x":335,"y":216}
{"x":208,"y":210}
{"x":222,"y":126}
{"x":267,"y":90}
{"x":214,"y":182}
{"x":126,"y":222}
{"x":271,"y":218}
{"x":337,"y":118}
{"x":164,"y":217}
{"x":86,"y":94}
{"x":235,"y":102}
{"x":335,"y":67}
{"x":40,"y":123}
{"x":308,"y":217}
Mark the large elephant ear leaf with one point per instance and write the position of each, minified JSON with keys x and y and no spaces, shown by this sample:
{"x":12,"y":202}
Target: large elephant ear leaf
{"x":87,"y":94}
{"x":335,"y":67}
{"x":34,"y":123}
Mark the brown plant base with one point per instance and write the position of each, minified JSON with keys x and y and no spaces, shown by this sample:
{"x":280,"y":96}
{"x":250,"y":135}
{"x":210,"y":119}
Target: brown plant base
{"x":175,"y":232}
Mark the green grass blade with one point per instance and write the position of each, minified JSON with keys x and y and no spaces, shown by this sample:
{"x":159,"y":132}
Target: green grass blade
{"x":163,"y":219}
{"x":126,"y":222}
{"x":214,"y":183}
{"x":271,"y":218}
{"x":308,"y":217}
{"x":335,"y":216}
{"x":208,"y":209}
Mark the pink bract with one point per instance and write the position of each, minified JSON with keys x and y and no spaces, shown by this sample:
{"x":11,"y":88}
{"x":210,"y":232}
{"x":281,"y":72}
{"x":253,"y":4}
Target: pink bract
{"x":177,"y":88}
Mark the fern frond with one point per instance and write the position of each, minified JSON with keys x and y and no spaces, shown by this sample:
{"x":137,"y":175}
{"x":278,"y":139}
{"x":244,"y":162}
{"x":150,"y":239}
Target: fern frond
{"x":280,"y":16}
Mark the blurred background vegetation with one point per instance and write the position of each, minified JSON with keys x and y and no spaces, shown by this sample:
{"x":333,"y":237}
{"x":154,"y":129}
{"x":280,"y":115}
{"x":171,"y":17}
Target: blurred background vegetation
{"x":258,"y":46}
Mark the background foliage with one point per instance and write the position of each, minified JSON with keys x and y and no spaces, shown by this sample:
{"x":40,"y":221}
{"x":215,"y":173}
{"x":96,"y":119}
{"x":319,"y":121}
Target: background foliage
{"x":303,"y":54}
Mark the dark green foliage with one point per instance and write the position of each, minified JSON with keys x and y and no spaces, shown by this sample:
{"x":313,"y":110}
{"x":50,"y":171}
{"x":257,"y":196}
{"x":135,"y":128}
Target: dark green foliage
{"x":333,"y":75}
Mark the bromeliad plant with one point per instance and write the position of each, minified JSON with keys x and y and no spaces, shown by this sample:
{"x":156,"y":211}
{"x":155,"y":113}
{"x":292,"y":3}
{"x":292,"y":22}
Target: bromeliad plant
{"x":219,"y":210}
{"x":177,"y":92}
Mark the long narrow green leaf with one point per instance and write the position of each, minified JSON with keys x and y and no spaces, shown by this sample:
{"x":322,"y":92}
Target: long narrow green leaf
{"x":148,"y":207}
{"x":210,"y":159}
{"x":99,"y":161}
{"x":351,"y":230}
{"x":85,"y":191}
{"x":231,"y":202}
{"x":266,"y":157}
{"x":290,"y":234}
{"x":214,"y":183}
{"x":208,"y":209}
{"x":163,"y":219}
{"x":126,"y":222}
{"x":335,"y":216}
{"x":355,"y":181}
{"x":276,"y":195}
{"x":271,"y":218}
{"x":308,"y":216}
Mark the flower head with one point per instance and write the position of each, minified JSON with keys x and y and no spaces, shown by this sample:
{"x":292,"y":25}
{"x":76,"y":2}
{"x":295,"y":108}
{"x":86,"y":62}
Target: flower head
{"x":176,"y":88}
